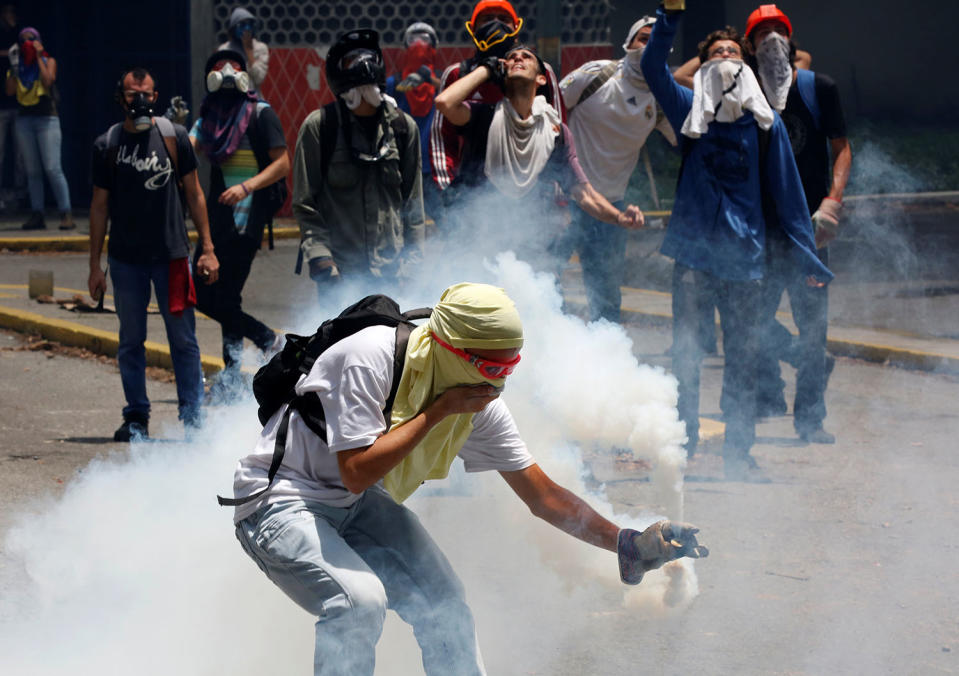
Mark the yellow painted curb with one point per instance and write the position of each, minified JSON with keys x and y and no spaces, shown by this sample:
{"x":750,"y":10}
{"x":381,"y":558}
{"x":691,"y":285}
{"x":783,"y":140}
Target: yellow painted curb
{"x":82,"y":242}
{"x":95,"y":340}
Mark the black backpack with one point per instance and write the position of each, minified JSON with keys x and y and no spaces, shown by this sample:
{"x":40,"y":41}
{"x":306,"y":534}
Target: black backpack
{"x":273,"y":384}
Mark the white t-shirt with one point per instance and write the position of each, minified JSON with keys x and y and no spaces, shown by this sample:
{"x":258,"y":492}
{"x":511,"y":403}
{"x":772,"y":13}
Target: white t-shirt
{"x":353,"y":380}
{"x":611,"y":126}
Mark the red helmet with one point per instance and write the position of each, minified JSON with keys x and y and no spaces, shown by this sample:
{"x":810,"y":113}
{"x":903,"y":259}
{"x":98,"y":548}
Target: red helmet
{"x":767,"y":13}
{"x":487,"y":5}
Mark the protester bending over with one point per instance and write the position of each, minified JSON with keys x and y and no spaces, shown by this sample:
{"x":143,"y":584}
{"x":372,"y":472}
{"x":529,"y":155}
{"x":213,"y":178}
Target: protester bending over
{"x":332,"y":532}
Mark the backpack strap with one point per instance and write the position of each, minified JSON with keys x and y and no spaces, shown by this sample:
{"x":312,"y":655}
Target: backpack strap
{"x":329,"y":134}
{"x":601,"y":78}
{"x":806,"y":84}
{"x":168,"y":134}
{"x":403,"y":331}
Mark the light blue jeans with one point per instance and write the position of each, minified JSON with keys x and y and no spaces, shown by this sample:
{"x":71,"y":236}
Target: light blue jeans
{"x":346,"y":566}
{"x":38,"y":138}
{"x":131,"y":292}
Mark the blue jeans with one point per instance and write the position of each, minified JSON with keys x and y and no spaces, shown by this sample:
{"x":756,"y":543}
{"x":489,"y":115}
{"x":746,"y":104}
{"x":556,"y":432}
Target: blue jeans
{"x":131,"y":292}
{"x":346,"y":566}
{"x":602,"y":254}
{"x":38,"y":138}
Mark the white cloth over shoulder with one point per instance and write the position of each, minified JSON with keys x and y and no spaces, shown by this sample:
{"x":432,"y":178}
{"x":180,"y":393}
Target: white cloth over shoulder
{"x":722,"y":90}
{"x":517,"y":149}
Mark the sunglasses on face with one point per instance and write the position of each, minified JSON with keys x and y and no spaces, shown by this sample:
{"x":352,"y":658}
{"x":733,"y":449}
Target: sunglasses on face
{"x":487,"y":367}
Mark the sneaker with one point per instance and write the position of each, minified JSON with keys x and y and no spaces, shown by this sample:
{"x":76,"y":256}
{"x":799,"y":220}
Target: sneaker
{"x":35,"y":222}
{"x":131,"y":430}
{"x":66,"y":221}
{"x":816,"y":435}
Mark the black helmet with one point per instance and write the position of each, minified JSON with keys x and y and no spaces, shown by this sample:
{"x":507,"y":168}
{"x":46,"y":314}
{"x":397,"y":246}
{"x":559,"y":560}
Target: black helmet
{"x":367,"y":67}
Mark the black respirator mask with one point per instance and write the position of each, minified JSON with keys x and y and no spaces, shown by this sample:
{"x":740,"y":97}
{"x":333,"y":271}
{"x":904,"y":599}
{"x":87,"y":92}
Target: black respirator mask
{"x":495,"y":37}
{"x":140,"y":110}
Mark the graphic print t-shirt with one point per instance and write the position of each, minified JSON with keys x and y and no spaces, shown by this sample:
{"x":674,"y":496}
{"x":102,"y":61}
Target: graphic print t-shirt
{"x":146,"y":216}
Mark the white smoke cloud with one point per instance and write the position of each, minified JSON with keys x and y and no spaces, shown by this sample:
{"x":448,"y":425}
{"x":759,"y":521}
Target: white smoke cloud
{"x":135,"y":569}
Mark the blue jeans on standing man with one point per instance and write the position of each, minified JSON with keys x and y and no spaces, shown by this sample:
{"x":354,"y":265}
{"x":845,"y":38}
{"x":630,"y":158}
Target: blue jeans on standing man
{"x":602,"y":255}
{"x":38,"y":137}
{"x":346,"y":566}
{"x":131,"y":293}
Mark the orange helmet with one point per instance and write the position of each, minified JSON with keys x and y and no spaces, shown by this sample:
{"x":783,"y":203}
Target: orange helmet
{"x":486,"y":5}
{"x":767,"y":13}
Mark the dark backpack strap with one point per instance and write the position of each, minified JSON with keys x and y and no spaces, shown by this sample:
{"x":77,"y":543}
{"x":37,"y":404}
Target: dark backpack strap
{"x":279,"y":450}
{"x":329,"y":133}
{"x":168,"y":134}
{"x":806,"y":84}
{"x":403,"y":331}
{"x":601,"y":78}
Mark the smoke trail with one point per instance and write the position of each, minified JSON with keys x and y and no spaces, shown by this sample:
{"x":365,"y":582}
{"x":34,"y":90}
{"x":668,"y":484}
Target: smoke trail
{"x":136,"y":570}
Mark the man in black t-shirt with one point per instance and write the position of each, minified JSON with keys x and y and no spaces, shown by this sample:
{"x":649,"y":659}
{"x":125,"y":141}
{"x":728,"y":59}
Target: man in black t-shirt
{"x":137,"y":166}
{"x":516,"y":155}
{"x":811,"y":110}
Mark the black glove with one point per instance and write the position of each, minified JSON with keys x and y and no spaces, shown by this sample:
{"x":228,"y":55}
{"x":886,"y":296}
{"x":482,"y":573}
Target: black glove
{"x":323,"y":270}
{"x":497,"y":69}
{"x":661,"y":543}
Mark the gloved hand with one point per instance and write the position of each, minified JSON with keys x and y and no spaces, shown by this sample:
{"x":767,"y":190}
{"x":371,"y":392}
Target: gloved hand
{"x":13,"y":56}
{"x":323,"y":271}
{"x":497,"y":69}
{"x":415,"y":79}
{"x":826,"y":221}
{"x":661,"y":543}
{"x":177,"y":111}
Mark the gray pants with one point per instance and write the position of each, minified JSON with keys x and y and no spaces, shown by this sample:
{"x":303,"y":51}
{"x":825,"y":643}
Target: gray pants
{"x":346,"y":566}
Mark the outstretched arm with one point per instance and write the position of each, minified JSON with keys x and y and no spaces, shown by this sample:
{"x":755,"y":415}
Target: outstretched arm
{"x":561,"y":508}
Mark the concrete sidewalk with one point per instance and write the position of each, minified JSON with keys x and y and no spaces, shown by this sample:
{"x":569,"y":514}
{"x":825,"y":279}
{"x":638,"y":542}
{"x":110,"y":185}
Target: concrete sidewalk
{"x":907,"y":324}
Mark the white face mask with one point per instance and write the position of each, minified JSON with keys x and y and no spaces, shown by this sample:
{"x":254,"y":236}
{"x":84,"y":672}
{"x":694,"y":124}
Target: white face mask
{"x":355,"y":96}
{"x":775,"y":69}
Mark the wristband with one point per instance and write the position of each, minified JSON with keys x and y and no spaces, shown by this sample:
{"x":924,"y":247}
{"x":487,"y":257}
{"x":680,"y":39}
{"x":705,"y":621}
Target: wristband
{"x":245,"y":189}
{"x":833,"y":199}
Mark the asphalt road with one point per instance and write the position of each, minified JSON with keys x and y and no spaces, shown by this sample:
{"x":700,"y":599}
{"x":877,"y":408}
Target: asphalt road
{"x":843,"y":563}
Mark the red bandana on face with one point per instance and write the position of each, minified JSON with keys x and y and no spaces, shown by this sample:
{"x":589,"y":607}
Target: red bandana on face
{"x":420,"y":98}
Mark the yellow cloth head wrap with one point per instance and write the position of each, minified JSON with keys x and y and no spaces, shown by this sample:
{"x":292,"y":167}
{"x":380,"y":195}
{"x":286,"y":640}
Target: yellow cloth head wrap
{"x":467,"y":316}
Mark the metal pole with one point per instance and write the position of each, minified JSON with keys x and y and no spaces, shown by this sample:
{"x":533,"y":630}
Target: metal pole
{"x":549,"y":28}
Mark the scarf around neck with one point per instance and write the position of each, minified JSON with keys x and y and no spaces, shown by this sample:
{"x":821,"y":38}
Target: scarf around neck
{"x":468,"y":315}
{"x":419,"y":98}
{"x":517,"y":149}
{"x":226,"y":117}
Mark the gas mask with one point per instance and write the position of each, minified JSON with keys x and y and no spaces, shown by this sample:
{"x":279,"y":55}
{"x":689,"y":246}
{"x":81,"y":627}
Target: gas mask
{"x":228,"y":77}
{"x":493,"y":38}
{"x":140,"y":110}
